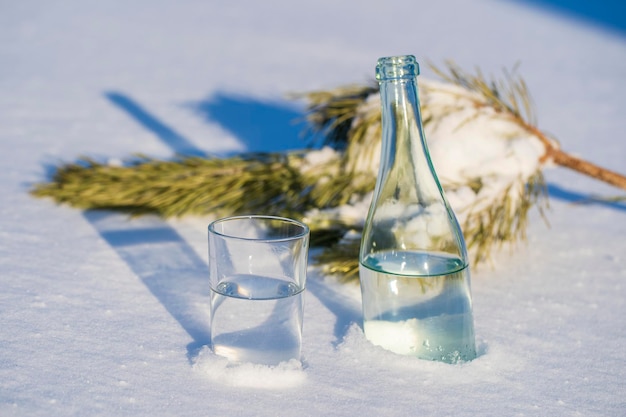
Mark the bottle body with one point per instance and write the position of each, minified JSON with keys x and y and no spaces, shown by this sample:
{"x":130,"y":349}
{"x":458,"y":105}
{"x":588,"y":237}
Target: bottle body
{"x":414,"y":273}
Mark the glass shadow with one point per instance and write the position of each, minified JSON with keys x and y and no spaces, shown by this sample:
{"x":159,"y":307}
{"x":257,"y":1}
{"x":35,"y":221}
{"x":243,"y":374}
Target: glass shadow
{"x":167,"y":265}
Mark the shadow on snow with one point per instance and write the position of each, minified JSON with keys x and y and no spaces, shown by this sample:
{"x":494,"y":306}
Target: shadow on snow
{"x":261,"y":126}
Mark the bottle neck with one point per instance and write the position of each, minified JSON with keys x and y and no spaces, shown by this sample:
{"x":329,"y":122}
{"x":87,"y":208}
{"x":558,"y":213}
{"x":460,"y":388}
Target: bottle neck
{"x":400,"y":112}
{"x":402,"y":139}
{"x":408,"y":210}
{"x":397,"y":77}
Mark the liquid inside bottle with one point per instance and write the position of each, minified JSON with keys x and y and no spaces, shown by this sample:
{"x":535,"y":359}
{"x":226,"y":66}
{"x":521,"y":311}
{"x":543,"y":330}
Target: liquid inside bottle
{"x":418,"y":304}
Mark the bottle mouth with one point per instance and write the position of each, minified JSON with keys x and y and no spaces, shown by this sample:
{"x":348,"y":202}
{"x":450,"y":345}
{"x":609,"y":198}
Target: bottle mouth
{"x":402,"y":67}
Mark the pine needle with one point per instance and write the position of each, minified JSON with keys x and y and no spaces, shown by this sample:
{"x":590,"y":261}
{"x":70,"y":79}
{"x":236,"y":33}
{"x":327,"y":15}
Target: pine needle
{"x":330,"y":113}
{"x":508,"y":95}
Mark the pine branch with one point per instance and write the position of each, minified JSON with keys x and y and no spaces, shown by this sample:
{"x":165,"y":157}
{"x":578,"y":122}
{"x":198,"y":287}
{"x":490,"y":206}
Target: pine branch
{"x":193,"y":185}
{"x":330,"y":113}
{"x":260,"y":183}
{"x":295,"y":185}
{"x":341,"y":259}
{"x":511,"y":97}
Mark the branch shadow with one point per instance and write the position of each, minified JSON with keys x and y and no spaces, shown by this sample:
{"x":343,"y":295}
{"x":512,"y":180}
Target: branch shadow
{"x":560,"y":193}
{"x":166,"y":264}
{"x":261,"y":126}
{"x":609,"y":15}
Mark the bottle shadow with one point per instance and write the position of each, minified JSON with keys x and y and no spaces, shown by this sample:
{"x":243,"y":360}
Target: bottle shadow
{"x":174,"y":140}
{"x":166,"y":264}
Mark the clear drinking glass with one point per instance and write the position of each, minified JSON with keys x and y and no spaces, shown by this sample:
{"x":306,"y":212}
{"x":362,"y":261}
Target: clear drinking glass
{"x":257,"y":277}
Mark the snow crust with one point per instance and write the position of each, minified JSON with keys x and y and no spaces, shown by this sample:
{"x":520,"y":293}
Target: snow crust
{"x":102,"y":315}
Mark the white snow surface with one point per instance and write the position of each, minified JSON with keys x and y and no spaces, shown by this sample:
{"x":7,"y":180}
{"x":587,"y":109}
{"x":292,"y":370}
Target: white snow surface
{"x":102,"y":315}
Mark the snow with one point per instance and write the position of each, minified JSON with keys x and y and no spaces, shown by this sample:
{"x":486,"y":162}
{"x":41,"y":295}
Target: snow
{"x":106,"y":315}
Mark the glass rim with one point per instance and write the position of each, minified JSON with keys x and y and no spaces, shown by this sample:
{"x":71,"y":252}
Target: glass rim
{"x":305,"y":229}
{"x":397,"y":68}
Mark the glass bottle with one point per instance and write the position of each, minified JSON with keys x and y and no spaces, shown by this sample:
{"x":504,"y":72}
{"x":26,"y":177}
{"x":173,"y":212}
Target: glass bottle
{"x":413,"y":267}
